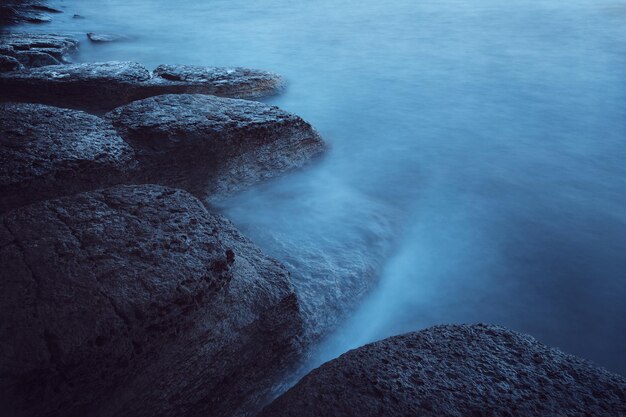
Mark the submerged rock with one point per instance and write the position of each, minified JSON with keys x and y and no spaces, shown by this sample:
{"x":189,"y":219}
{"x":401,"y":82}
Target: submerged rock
{"x":136,"y":301}
{"x":456,"y":370}
{"x":103,"y":86}
{"x":211,"y":145}
{"x":105,"y":38}
{"x":48,"y":152}
{"x":30,"y":44}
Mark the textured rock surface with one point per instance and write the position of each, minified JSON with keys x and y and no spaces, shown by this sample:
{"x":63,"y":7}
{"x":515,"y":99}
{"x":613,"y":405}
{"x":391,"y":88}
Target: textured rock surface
{"x":211,"y":145}
{"x":106,"y":85}
{"x":474,"y":370}
{"x":33,"y":59}
{"x":135,"y":301}
{"x":93,"y":86}
{"x":36,"y":49}
{"x":224,"y":82}
{"x":9,"y":63}
{"x":19,"y":11}
{"x":48,"y":152}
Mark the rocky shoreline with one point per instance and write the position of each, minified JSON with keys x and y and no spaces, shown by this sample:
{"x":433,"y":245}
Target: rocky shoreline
{"x":124,"y":293}
{"x":123,"y":296}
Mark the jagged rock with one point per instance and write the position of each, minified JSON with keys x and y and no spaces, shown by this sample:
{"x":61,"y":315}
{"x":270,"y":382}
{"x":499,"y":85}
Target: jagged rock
{"x":455,"y":370}
{"x":48,"y":152}
{"x":19,"y":11}
{"x":8,"y":63}
{"x":33,"y":44}
{"x":136,"y":301}
{"x":211,"y":145}
{"x":33,"y":59}
{"x":106,"y":85}
{"x":104,"y":38}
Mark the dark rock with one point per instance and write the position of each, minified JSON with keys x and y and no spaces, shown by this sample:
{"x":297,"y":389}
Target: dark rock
{"x":211,"y":145}
{"x":57,"y":46}
{"x":48,"y":152}
{"x":104,"y":86}
{"x":44,"y":8}
{"x":104,"y":38}
{"x":8,"y":63}
{"x":477,"y":370}
{"x":224,"y":82}
{"x":33,"y":59}
{"x":78,"y":16}
{"x":6,"y":50}
{"x":20,"y":11}
{"x":136,"y":301}
{"x":96,"y":86}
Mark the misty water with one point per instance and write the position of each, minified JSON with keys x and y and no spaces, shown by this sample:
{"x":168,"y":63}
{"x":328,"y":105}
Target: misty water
{"x":477,"y":162}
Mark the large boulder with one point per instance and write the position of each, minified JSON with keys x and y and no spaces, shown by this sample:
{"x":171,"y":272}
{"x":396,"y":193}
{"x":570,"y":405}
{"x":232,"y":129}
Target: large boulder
{"x":136,"y":301}
{"x":36,"y":49}
{"x":49,"y":152}
{"x":463,"y":370}
{"x":211,"y":145}
{"x":99,"y":87}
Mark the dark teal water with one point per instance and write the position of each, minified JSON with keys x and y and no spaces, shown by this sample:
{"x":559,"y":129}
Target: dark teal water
{"x":478,"y":161}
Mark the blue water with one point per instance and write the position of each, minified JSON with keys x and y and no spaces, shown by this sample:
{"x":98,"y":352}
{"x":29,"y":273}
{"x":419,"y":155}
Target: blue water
{"x":478,"y":155}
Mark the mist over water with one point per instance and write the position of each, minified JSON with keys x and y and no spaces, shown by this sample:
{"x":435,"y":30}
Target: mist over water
{"x":478,"y":155}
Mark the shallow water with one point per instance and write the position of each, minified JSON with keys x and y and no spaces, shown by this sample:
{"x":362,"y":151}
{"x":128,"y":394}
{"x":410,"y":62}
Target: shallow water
{"x":478,"y":154}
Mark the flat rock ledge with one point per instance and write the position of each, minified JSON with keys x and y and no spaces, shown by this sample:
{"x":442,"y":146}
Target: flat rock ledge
{"x":136,"y":301}
{"x":455,"y":370}
{"x":214,"y":146}
{"x":36,"y":50}
{"x":48,"y":152}
{"x":99,"y":87}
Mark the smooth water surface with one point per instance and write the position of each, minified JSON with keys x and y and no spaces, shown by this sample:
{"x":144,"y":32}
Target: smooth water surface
{"x":477,"y":162}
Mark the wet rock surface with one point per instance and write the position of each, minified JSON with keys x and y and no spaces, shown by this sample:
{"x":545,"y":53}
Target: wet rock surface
{"x":99,"y":87}
{"x":455,"y":370}
{"x":105,"y":37}
{"x":20,"y":11}
{"x":214,"y":146}
{"x":136,"y":301}
{"x":36,"y":49}
{"x":47,"y":152}
{"x":224,"y":82}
